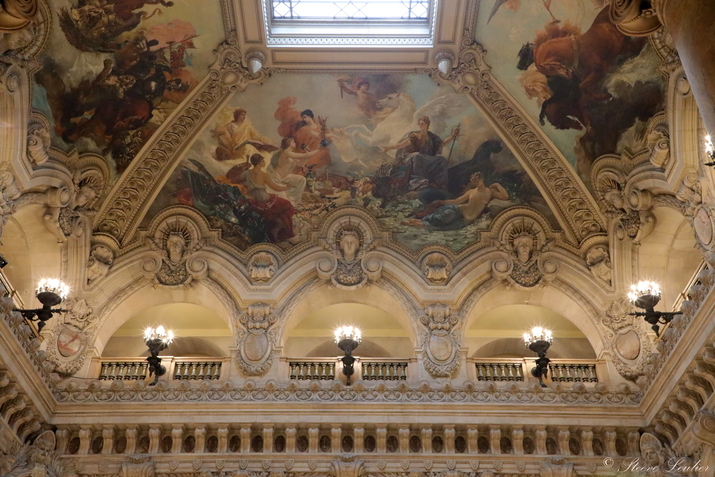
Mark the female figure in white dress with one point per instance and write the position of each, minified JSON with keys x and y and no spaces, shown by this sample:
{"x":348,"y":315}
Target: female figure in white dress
{"x":283,"y":163}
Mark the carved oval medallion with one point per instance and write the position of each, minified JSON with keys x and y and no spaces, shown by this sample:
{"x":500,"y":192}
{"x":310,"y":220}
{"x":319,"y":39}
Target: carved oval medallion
{"x":628,"y":345}
{"x":69,"y":342}
{"x":440,"y":347}
{"x":255,"y":346}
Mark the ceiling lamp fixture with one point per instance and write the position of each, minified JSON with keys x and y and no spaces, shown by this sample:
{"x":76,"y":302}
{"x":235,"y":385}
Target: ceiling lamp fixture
{"x":710,"y":151}
{"x":348,"y":338}
{"x":157,"y":339}
{"x":256,"y":59}
{"x":49,"y":292}
{"x":645,"y":295}
{"x":539,"y":341}
{"x":445,"y":61}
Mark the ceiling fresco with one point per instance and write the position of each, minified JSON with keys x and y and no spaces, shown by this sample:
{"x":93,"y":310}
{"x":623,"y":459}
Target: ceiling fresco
{"x":591,"y":88}
{"x":113,"y":70}
{"x":418,"y":157}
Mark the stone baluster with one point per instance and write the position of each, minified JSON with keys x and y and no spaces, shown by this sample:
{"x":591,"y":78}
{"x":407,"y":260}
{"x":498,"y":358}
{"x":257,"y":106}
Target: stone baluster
{"x":609,"y":436}
{"x":404,"y":435}
{"x":359,"y":439}
{"x":200,"y":436}
{"x":336,"y":435}
{"x":472,"y":438}
{"x":222,"y":440}
{"x":131,"y":433}
{"x":290,"y":440}
{"x":381,"y":440}
{"x":587,"y":441}
{"x":108,"y":438}
{"x":564,"y":436}
{"x":268,"y":439}
{"x":449,"y":436}
{"x":495,"y":438}
{"x":245,"y":434}
{"x":426,"y":440}
{"x":177,"y":435}
{"x":540,"y":434}
{"x":62,"y":436}
{"x":85,"y":439}
{"x":313,"y":433}
{"x":517,"y":439}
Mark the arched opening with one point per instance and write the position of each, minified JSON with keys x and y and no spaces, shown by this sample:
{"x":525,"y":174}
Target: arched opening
{"x":199,"y":331}
{"x":497,"y":333}
{"x":382,"y":334}
{"x":669,"y":256}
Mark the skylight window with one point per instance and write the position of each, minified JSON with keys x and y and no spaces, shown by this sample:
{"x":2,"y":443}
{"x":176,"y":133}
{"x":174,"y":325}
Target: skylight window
{"x":349,"y":22}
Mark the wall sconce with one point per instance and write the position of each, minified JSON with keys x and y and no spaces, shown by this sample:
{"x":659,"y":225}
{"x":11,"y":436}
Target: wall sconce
{"x":348,"y":338}
{"x":157,"y":340}
{"x":710,"y":151}
{"x":255,"y":59}
{"x":646,"y":295}
{"x":539,"y":341}
{"x":49,"y":292}
{"x":445,"y":61}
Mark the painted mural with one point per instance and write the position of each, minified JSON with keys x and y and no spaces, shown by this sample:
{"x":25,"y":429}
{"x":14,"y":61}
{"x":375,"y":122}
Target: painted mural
{"x":591,"y":88}
{"x":416,"y":156}
{"x":113,"y":70}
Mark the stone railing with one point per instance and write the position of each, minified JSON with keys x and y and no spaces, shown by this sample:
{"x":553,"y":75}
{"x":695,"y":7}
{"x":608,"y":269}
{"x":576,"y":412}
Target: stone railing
{"x":375,"y":369}
{"x":519,"y":370}
{"x":380,"y":438}
{"x":177,"y":368}
{"x":312,"y":368}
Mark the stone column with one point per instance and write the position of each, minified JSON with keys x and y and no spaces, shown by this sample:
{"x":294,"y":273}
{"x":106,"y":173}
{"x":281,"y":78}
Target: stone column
{"x":85,"y":439}
{"x":517,"y":439}
{"x":564,"y":436}
{"x":131,"y":434}
{"x":108,"y":437}
{"x":381,"y":440}
{"x":336,"y":434}
{"x":154,"y":437}
{"x":691,"y":24}
{"x":404,"y":433}
{"x":587,"y":441}
{"x":200,"y":436}
{"x":290,"y":440}
{"x":222,"y":440}
{"x":268,"y":439}
{"x":358,"y":439}
{"x":472,"y":438}
{"x":245,"y":433}
{"x":495,"y":438}
{"x":313,"y":439}
{"x":540,"y":433}
{"x":426,"y":440}
{"x":177,"y":438}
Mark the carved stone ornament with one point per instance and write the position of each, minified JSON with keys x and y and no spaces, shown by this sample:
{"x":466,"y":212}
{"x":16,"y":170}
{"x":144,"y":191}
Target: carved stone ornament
{"x":440,"y":339}
{"x":256,"y":339}
{"x":557,"y":468}
{"x":347,"y":465}
{"x":660,"y":460}
{"x":690,"y":193}
{"x":37,"y":460}
{"x":69,"y":208}
{"x":629,"y":344}
{"x":38,"y":142}
{"x":521,"y":263}
{"x":436,"y":268}
{"x":175,"y":242}
{"x":262,"y":267}
{"x":630,"y":211}
{"x":100,"y":260}
{"x":599,"y":262}
{"x":72,"y":336}
{"x":137,"y":467}
{"x":634,"y":17}
{"x":9,"y":192}
{"x":349,"y":265}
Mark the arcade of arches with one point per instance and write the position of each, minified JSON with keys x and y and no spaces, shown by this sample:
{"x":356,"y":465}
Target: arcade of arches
{"x":175,"y":168}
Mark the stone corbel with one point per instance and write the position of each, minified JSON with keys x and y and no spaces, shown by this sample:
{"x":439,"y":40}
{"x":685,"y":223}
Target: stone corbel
{"x":256,"y":339}
{"x":440,"y":340}
{"x":347,"y":465}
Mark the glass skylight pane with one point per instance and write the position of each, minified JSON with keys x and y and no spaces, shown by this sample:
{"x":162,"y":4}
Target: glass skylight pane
{"x":414,"y":10}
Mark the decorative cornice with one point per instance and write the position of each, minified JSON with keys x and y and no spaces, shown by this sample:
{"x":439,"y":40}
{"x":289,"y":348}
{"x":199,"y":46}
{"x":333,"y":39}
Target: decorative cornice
{"x":322,"y":392}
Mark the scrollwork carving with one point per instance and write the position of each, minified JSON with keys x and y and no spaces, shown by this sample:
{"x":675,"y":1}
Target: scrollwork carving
{"x":441,"y":340}
{"x":100,"y":260}
{"x":262,"y":267}
{"x":256,"y":339}
{"x":436,"y":268}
